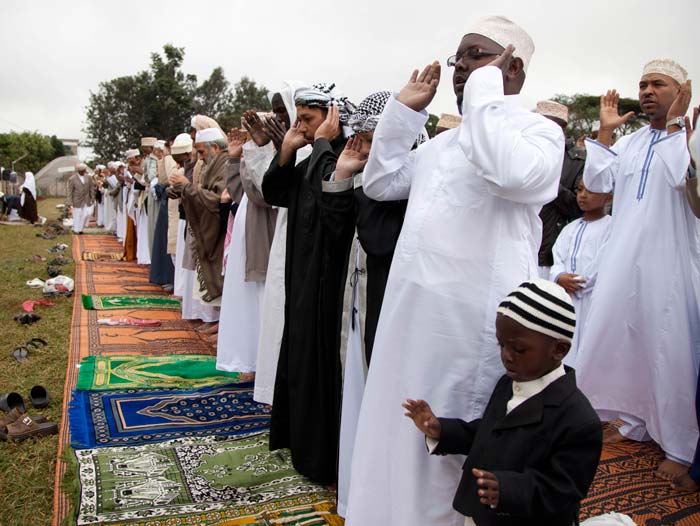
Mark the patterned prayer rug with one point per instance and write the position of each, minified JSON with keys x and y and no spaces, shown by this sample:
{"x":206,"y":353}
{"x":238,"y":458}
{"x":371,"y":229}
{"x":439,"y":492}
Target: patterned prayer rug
{"x":103,"y":256}
{"x":137,"y":416}
{"x":625,"y":483}
{"x":100,"y":373}
{"x":130,"y":302}
{"x":177,"y":481}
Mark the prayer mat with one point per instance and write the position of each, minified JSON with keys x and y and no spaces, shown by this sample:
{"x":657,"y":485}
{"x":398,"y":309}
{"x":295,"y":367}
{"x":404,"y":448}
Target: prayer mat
{"x":626,"y":483}
{"x":102,"y":373}
{"x":103,"y":256}
{"x":172,"y":482}
{"x":137,"y":416}
{"x":130,"y":302}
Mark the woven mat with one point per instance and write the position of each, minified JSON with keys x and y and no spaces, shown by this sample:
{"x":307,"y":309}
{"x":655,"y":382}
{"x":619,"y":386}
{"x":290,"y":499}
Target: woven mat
{"x":153,"y":301}
{"x":103,"y":256}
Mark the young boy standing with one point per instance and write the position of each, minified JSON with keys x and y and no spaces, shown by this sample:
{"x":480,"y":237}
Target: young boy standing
{"x":534,"y":453}
{"x":576,"y":254}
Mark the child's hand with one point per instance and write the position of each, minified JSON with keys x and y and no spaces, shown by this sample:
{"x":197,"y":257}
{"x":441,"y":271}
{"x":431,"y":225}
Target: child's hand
{"x":419,"y":411}
{"x":488,"y":487}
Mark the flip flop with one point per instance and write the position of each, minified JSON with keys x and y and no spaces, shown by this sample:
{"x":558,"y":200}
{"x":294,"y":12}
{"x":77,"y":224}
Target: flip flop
{"x":9,"y":401}
{"x":35,"y":283}
{"x":39,"y":396}
{"x":20,"y":353}
{"x":38,"y":341}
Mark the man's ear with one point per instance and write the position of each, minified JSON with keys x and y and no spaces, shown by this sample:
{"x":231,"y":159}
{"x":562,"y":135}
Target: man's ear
{"x":561,"y":349}
{"x":515,"y":68}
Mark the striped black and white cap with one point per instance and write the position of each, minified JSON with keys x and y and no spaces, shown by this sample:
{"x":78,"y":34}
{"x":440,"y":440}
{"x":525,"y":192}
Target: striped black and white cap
{"x":541,"y":306}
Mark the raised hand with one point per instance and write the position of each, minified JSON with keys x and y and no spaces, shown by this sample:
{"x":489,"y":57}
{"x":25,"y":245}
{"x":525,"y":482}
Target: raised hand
{"x":256,"y":128}
{"x":276,"y":130}
{"x":610,"y":118}
{"x":351,"y":160}
{"x":503,"y":60}
{"x":293,"y":140}
{"x":419,"y":411}
{"x":489,"y":491}
{"x":679,"y":107}
{"x":421,"y":89}
{"x":329,"y":128}
{"x":690,"y":127}
{"x":236,"y":140}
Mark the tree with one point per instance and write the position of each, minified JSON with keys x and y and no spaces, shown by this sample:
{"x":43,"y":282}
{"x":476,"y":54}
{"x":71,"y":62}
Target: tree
{"x":247,"y":95}
{"x":584,"y":113}
{"x":59,"y":149}
{"x":37,"y":150}
{"x":214,"y":96}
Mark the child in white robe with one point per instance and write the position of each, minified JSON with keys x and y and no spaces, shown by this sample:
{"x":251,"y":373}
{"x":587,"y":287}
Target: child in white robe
{"x":577,"y":253}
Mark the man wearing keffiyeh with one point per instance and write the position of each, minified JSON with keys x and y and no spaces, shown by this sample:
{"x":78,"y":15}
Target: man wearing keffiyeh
{"x":306,"y":409}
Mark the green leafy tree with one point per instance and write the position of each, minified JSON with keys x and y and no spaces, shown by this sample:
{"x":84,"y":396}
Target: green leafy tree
{"x":246,"y":95}
{"x":34,"y":149}
{"x":584,"y":113}
{"x":214,"y":96}
{"x":59,"y":149}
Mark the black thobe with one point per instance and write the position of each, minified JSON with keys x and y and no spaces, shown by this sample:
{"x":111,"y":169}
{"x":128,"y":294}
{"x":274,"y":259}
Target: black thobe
{"x":162,"y":268}
{"x":320,"y":228}
{"x":378,"y":227}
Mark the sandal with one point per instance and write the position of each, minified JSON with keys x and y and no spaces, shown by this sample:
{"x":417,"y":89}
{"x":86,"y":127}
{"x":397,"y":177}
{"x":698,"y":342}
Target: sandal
{"x":14,"y":415}
{"x":28,"y":426}
{"x":10,"y":401}
{"x":20,"y":353}
{"x":27,"y":318}
{"x":37,"y":342}
{"x":39,"y":396}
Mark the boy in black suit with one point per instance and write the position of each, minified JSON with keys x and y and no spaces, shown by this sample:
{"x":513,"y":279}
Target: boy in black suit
{"x":534,"y":453}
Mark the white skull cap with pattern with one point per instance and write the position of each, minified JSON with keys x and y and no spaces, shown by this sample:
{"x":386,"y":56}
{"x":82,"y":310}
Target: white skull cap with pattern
{"x":148,"y":141}
{"x":667,"y":67}
{"x":504,"y":31}
{"x":80,"y":167}
{"x":209,"y":135}
{"x":134,"y":152}
{"x":181,"y":144}
{"x":549,"y":108}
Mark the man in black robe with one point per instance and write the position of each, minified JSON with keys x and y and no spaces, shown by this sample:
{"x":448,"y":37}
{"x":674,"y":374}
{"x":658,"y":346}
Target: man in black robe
{"x":306,"y":410}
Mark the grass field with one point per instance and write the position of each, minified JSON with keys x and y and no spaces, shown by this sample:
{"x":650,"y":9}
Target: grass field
{"x":27,"y":468}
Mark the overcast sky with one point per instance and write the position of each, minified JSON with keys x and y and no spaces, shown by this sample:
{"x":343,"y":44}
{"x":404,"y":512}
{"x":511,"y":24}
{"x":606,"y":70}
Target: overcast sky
{"x":54,"y":53}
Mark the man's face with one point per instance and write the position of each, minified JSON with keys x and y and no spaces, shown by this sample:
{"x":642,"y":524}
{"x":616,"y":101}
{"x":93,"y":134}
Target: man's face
{"x":201,"y":149}
{"x":656,"y":94}
{"x":81,"y":172}
{"x":527,"y":354}
{"x":475,"y":51}
{"x":158,"y":153}
{"x":147,"y":150}
{"x":280,"y":110}
{"x":181,"y":158}
{"x":309,"y":121}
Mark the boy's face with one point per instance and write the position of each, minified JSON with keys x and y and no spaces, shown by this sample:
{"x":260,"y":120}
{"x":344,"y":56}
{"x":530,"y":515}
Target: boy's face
{"x":309,"y":121}
{"x":527,"y":354}
{"x":588,"y":200}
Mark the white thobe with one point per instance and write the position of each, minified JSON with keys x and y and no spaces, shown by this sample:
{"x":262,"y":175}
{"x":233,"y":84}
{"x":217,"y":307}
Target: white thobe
{"x":143,"y":249}
{"x":638,"y":352}
{"x":578,"y":250}
{"x":470,"y":236}
{"x":241,"y":304}
{"x":121,"y":214}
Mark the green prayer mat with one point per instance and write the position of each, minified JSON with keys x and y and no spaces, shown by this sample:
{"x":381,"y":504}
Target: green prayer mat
{"x":182,"y":371}
{"x":170,"y":482}
{"x":130,"y":302}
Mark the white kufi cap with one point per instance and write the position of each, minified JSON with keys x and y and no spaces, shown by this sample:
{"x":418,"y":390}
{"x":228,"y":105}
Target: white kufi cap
{"x":181,"y":144}
{"x":504,"y":31}
{"x":132,"y":153}
{"x":209,"y":135}
{"x":667,"y":67}
{"x":549,"y":108}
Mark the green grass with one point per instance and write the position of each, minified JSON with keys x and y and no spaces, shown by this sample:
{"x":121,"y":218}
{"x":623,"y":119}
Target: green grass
{"x":27,"y":468}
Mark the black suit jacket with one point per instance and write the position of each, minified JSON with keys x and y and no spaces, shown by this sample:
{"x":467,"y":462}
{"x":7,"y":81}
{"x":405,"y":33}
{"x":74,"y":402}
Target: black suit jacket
{"x":544,"y":454}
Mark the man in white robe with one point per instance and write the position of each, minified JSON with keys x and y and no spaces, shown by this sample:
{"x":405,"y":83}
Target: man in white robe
{"x":110,"y":209}
{"x":638,"y":353}
{"x":470,"y":235}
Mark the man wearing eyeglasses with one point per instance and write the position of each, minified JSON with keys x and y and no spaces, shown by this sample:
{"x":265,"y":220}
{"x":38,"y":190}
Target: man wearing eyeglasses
{"x":470,"y":236}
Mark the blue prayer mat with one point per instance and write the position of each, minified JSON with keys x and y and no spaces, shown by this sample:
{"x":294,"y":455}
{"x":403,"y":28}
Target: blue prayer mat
{"x":137,"y":416}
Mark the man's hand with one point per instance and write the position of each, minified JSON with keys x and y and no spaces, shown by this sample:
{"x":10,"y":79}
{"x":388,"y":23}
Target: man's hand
{"x":351,"y":160}
{"x":570,"y":282}
{"x":503,"y":60}
{"x":178,"y":180}
{"x":293,"y":140}
{"x":680,"y":105}
{"x":690,"y":127}
{"x":419,"y":411}
{"x":236,"y":140}
{"x":255,"y":127}
{"x":421,"y":89}
{"x":610,"y":118}
{"x":225,"y":196}
{"x":330,"y":128}
{"x":488,"y":487}
{"x":276,"y":130}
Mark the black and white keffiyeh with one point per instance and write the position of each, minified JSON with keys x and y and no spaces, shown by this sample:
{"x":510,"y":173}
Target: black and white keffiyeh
{"x":325,"y":95}
{"x":366,"y":117}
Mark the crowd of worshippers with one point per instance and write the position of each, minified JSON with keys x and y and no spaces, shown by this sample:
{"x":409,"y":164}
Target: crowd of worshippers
{"x":357,"y":266}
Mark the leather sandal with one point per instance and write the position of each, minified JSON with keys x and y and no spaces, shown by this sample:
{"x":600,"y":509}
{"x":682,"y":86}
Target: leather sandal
{"x":28,"y":426}
{"x":39,"y":396}
{"x":9,"y":401}
{"x":14,"y":415}
{"x":38,"y":341}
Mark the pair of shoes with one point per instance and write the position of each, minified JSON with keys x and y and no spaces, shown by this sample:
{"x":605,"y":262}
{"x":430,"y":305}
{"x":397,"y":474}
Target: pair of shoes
{"x":52,"y":271}
{"x":21,"y":352}
{"x":59,"y":261}
{"x":168,"y":287}
{"x":38,"y":396}
{"x":12,"y":416}
{"x":27,"y":318}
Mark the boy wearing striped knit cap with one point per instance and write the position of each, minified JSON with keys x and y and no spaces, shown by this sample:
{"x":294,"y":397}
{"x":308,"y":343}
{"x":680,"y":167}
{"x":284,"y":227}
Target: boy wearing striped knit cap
{"x":534,"y":453}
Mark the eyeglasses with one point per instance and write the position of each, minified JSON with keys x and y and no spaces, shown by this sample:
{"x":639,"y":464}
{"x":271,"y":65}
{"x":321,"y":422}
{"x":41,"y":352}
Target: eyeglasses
{"x":473,"y":53}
